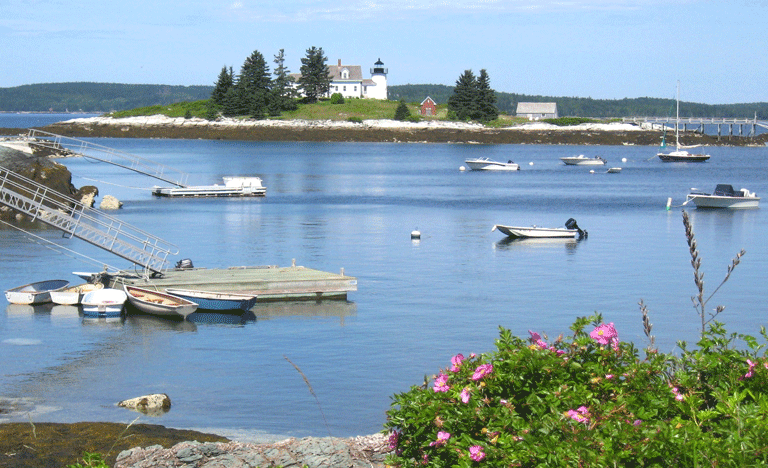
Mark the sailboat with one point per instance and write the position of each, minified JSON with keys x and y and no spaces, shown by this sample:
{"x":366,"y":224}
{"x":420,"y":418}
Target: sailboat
{"x":680,"y":154}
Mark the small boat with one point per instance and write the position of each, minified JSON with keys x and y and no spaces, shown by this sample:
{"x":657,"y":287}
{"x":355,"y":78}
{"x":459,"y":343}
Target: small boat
{"x":73,"y":295}
{"x":570,"y":231}
{"x":158,"y":303}
{"x":723,"y":197}
{"x":210,"y":300}
{"x":582,"y":160}
{"x":105,"y":302}
{"x":34,"y":293}
{"x":614,"y":170}
{"x":485,"y":164}
{"x":233,"y":187}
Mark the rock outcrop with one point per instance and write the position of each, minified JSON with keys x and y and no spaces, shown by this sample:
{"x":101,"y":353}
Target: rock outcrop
{"x":152,"y":405}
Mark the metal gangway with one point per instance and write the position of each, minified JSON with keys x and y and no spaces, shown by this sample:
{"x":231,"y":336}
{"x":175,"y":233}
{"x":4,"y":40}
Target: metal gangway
{"x":109,"y":155}
{"x":77,"y":220}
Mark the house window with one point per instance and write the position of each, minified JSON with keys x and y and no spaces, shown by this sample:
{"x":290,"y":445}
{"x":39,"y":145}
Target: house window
{"x":345,"y":89}
{"x":345,"y":74}
{"x":355,"y":90}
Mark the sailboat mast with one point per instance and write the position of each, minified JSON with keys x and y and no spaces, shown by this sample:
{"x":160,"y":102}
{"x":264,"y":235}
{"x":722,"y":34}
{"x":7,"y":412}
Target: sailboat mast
{"x":677,"y":117}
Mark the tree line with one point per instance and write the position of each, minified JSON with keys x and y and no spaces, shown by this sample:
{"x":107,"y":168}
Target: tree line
{"x":255,"y":92}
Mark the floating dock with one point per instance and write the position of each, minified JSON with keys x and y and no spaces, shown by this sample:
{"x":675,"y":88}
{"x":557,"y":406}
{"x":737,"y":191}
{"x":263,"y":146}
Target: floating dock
{"x":269,"y":283}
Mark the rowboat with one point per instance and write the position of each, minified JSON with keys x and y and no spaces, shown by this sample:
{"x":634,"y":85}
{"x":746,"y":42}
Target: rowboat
{"x":34,"y":293}
{"x":570,"y":231}
{"x":211,"y":300}
{"x":159,"y":303}
{"x":73,"y":295}
{"x":105,"y":302}
{"x":723,"y":197}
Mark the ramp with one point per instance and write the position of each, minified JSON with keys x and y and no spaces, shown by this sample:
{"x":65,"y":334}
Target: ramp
{"x":76,"y":220}
{"x":108,"y":155}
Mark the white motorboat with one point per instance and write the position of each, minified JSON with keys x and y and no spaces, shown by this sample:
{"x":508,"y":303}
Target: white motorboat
{"x":570,"y":231}
{"x":680,"y":154}
{"x":233,"y":187}
{"x":34,"y":293}
{"x":159,"y":303}
{"x":582,"y":160}
{"x":486,"y":164}
{"x":105,"y":302}
{"x":73,"y":295}
{"x":723,"y":197}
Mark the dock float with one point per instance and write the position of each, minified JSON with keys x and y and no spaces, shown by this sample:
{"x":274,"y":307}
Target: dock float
{"x":269,"y":283}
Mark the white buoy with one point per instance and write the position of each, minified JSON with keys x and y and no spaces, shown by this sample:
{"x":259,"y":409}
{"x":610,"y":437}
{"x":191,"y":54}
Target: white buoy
{"x":530,"y":163}
{"x":462,"y":168}
{"x":415,"y":234}
{"x":669,"y":203}
{"x":623,"y":159}
{"x":591,"y":171}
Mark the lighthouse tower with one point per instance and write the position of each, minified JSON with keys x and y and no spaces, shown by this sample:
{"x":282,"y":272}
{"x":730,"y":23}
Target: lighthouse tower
{"x":379,"y":78}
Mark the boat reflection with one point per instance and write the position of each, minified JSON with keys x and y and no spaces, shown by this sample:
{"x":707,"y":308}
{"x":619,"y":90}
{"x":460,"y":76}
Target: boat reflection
{"x":153,"y":323}
{"x":118,"y":321}
{"x":510,"y":243}
{"x":215,"y":318}
{"x":310,"y":309}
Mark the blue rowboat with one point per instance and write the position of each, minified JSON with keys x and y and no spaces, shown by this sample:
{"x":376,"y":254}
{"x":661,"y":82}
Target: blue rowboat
{"x":211,"y":300}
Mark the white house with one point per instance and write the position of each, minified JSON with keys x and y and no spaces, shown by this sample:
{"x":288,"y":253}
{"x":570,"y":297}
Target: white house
{"x":537,"y":110}
{"x":349,"y":82}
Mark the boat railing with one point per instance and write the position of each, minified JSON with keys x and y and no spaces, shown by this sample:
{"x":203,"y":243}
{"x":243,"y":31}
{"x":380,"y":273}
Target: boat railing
{"x":77,"y":220}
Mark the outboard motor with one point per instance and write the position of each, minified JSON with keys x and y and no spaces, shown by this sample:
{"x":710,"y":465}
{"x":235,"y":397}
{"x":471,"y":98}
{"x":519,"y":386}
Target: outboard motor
{"x":184,"y":263}
{"x":571,"y":224}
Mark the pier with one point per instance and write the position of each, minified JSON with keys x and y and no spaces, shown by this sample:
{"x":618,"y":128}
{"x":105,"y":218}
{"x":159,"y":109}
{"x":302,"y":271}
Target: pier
{"x":697,"y":124}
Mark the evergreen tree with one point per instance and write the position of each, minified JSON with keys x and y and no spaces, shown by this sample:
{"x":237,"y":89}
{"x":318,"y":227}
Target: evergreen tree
{"x":402,"y":112}
{"x":463,"y":102}
{"x":254,"y":85}
{"x":226,"y":80}
{"x":315,"y":78}
{"x":486,"y":99}
{"x":283,"y":95}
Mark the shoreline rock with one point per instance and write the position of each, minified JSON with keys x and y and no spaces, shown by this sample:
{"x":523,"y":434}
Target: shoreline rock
{"x":379,"y":131}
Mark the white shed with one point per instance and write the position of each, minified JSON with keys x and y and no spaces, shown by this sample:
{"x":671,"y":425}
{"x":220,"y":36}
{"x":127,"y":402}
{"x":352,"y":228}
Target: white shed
{"x":537,"y":110}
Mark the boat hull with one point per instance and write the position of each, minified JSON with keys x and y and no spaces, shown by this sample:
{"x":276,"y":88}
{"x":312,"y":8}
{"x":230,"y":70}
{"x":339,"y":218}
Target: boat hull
{"x":34,"y":293}
{"x":715,"y":201}
{"x":73,"y":295}
{"x":520,"y":232}
{"x":582,"y":161}
{"x":158,"y":303}
{"x":211,"y":300}
{"x":106,"y":302}
{"x":682,"y":157}
{"x":233,"y":187}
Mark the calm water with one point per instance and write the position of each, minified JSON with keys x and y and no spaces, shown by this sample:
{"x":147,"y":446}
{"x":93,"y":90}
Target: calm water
{"x":27,"y":120}
{"x":353,"y":206}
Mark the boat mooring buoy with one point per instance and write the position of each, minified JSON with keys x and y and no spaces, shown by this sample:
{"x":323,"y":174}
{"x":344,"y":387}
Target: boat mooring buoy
{"x":415,"y":234}
{"x":530,"y":163}
{"x":623,"y":159}
{"x":462,"y":168}
{"x":669,"y":203}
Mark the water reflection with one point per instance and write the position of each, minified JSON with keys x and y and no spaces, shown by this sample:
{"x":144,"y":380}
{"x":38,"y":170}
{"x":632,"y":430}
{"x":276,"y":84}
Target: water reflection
{"x":215,"y":318}
{"x":150,"y":323}
{"x":510,"y":243}
{"x":274,"y":310}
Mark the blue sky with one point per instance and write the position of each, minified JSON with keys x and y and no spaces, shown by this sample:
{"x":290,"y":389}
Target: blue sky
{"x":604,"y":49}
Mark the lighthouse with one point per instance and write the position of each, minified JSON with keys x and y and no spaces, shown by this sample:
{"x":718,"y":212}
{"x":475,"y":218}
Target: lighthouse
{"x":378,"y":90}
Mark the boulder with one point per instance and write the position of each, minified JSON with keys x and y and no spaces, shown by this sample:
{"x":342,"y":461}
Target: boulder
{"x":110,"y":203}
{"x":151,"y":405}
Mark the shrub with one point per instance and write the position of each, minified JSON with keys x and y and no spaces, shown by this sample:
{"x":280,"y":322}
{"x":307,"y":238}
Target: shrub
{"x":591,"y":400}
{"x":355,"y":120}
{"x":402,"y":112}
{"x":337,"y":98}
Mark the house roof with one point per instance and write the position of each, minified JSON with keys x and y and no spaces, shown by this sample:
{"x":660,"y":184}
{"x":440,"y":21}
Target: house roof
{"x":428,"y":99}
{"x":536,"y":107}
{"x":355,"y":72}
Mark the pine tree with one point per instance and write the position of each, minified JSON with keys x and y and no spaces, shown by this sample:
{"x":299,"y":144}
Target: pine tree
{"x":463,"y":102}
{"x":226,"y":80}
{"x":402,"y":112}
{"x":254,"y":85}
{"x":315,"y":78}
{"x":283,"y":95}
{"x":486,"y":99}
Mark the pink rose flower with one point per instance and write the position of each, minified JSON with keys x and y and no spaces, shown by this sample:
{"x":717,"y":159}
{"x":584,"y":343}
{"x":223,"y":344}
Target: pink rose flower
{"x":456,"y":362}
{"x":476,"y":453}
{"x":442,"y":438}
{"x":482,"y":370}
{"x":606,"y":334}
{"x":465,"y":395}
{"x":441,"y":383}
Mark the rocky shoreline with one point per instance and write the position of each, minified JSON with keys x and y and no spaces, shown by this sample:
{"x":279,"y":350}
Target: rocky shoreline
{"x":380,"y":131}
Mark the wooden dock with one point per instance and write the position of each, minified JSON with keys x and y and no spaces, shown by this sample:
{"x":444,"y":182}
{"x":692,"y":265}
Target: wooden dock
{"x":269,"y":283}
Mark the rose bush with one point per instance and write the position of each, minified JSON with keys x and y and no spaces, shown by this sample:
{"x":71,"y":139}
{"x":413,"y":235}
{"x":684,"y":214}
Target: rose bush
{"x":589,"y":400}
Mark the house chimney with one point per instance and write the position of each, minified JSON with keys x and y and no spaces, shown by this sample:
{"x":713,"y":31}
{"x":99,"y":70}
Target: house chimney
{"x":339,"y":63}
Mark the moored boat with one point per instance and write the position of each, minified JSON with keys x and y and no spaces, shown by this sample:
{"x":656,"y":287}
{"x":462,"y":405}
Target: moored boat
{"x":680,"y":154}
{"x":570,"y":231}
{"x":159,"y":303}
{"x":582,"y":160}
{"x":486,"y":164}
{"x":73,"y":295}
{"x":233,"y":187}
{"x":724,"y":196}
{"x":212,"y":300}
{"x":105,"y":302}
{"x":34,"y":293}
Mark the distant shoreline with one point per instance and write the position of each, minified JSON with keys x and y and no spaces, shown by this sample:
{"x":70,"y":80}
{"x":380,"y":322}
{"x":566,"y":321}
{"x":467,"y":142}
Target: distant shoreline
{"x":377,"y":131}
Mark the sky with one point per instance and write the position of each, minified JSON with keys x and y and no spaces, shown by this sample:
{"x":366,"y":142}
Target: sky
{"x":601,"y":49}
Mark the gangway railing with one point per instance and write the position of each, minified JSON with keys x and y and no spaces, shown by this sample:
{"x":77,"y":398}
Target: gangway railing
{"x":77,"y":220}
{"x":109,"y":155}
